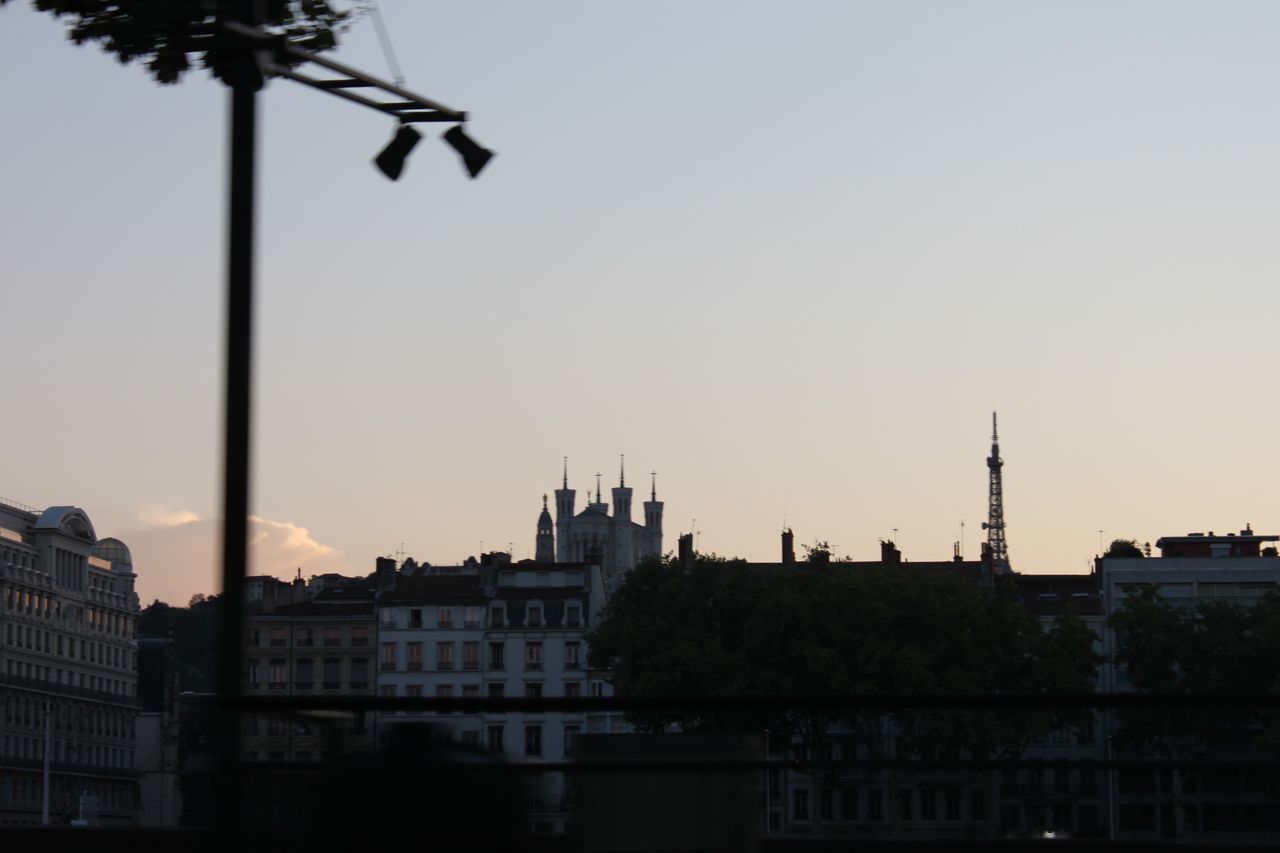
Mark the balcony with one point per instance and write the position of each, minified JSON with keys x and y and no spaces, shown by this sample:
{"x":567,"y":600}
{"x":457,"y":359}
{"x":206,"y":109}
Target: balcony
{"x":332,"y":685}
{"x":471,"y":664}
{"x":445,"y":665}
{"x":387,"y":666}
{"x":414,"y":666}
{"x":303,"y":685}
{"x":332,"y":642}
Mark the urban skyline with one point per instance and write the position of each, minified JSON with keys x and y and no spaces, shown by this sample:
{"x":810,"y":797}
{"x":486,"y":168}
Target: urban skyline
{"x":790,"y":262}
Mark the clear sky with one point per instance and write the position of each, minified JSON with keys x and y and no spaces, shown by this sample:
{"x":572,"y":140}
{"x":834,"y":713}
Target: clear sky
{"x":790,"y":255}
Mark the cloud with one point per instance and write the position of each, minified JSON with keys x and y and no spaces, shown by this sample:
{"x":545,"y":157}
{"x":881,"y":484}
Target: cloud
{"x":154,"y":515}
{"x":177,"y":553}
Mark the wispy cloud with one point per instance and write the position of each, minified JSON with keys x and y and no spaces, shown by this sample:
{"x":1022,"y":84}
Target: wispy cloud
{"x":155,"y":515}
{"x":176,"y":552}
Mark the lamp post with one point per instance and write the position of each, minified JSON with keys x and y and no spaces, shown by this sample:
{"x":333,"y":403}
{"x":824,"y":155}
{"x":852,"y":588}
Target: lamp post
{"x":260,"y":55}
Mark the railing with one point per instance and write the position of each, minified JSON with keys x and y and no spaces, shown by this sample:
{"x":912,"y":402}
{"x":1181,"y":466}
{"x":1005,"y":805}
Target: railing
{"x":69,"y":691}
{"x":21,"y":506}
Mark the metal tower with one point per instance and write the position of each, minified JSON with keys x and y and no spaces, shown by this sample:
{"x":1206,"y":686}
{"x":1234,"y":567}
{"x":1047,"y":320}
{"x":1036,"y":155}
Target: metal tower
{"x":996,"y":545}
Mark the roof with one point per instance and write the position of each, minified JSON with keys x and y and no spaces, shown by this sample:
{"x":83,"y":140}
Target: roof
{"x":1052,"y":595}
{"x":433,"y":587}
{"x":319,"y":610}
{"x":112,"y":550}
{"x":70,"y":520}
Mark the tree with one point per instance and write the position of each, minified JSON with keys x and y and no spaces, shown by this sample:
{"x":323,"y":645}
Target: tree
{"x":164,"y":34}
{"x":194,"y":630}
{"x":1214,"y":647}
{"x":1125,"y":549}
{"x":722,"y":628}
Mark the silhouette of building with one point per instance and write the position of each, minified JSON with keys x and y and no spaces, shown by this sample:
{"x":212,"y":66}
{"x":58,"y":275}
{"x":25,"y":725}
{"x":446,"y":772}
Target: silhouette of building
{"x":68,"y":667}
{"x":613,"y":542}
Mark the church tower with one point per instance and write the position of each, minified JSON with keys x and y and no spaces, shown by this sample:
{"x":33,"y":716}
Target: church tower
{"x":622,"y":545}
{"x":564,"y":515}
{"x":653,"y":519}
{"x":546,"y":547}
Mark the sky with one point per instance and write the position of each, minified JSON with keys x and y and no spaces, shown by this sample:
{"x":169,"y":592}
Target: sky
{"x":791,"y":256}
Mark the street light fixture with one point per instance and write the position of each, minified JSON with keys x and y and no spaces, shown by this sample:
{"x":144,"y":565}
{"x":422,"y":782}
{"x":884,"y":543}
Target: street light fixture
{"x":256,"y":55}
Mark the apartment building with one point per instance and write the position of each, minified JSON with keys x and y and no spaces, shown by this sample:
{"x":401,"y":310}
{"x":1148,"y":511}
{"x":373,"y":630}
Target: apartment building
{"x":68,"y":668}
{"x":494,"y":628}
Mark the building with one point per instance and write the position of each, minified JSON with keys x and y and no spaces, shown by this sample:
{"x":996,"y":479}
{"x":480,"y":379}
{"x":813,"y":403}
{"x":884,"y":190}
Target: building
{"x":68,"y":667}
{"x":160,"y":790}
{"x":497,"y":629}
{"x":312,"y":640}
{"x":1216,"y":805}
{"x":613,"y":542}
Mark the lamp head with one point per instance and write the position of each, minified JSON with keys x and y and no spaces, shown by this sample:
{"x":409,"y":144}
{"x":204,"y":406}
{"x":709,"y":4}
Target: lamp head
{"x":390,"y":160}
{"x":474,"y":156}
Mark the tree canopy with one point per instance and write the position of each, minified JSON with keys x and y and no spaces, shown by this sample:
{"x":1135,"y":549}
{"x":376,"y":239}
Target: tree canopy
{"x":194,"y":630}
{"x":165,"y":34}
{"x":722,"y":627}
{"x":1124,"y":549}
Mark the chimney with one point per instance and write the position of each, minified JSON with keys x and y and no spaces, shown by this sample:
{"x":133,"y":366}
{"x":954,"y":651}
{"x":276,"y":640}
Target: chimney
{"x":889,"y":554}
{"x":385,"y":573}
{"x":686,"y":551}
{"x":788,"y":547}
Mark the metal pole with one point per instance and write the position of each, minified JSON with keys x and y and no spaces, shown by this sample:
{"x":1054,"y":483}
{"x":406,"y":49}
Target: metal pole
{"x":235,"y":508}
{"x":44,"y":799}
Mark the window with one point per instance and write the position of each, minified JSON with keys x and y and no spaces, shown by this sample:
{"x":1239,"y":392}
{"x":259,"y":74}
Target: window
{"x":388,"y":656}
{"x":359,"y":673}
{"x":875,"y":804}
{"x":533,"y":740}
{"x":535,"y":616}
{"x":303,"y":675}
{"x":332,"y":637}
{"x":332,"y":674}
{"x":415,"y":617}
{"x":470,"y":738}
{"x":977,"y":805}
{"x":494,"y":740}
{"x":904,"y":805}
{"x":387,"y":690}
{"x":470,"y":691}
{"x":571,"y":738}
{"x":573,"y":615}
{"x":279,"y":638}
{"x":828,"y":807}
{"x":572,"y":688}
{"x":533,"y":690}
{"x":497,"y":615}
{"x":496,"y":690}
{"x":928,"y":804}
{"x":597,"y":689}
{"x":252,"y":674}
{"x":444,"y":655}
{"x":472,"y":617}
{"x":849,"y":804}
{"x":445,"y":619}
{"x":305,"y":639}
{"x":444,"y":691}
{"x":470,"y":655}
{"x":388,"y":618}
{"x":413,"y":690}
{"x":800,"y":804}
{"x":414,"y":651}
{"x":572,"y":650}
{"x":533,"y":655}
{"x":495,"y":656}
{"x":953,"y":804}
{"x":359,"y":636}
{"x":279,"y":673}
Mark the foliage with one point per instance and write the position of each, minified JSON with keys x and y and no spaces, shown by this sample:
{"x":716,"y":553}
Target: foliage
{"x":1213,"y":648}
{"x":1125,"y":549}
{"x":194,"y":630}
{"x":164,"y":34}
{"x":723,"y":628}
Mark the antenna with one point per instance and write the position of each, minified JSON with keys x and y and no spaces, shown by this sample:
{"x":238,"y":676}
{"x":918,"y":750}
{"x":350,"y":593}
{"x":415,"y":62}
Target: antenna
{"x":996,"y":545}
{"x":962,"y":539}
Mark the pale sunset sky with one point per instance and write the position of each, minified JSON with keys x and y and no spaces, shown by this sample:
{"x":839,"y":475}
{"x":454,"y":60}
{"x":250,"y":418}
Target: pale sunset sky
{"x":791,"y":255}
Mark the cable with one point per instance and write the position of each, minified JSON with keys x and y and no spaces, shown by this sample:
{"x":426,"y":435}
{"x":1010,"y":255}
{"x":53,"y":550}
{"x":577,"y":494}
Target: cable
{"x":385,"y":39}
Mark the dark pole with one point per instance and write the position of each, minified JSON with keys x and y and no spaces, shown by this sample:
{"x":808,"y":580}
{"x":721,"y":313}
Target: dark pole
{"x":244,"y":83}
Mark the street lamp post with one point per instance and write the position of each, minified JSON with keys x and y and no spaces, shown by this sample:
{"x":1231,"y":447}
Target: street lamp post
{"x":261,"y":54}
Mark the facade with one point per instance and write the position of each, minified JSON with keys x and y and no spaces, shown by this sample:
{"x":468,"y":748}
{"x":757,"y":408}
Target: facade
{"x":497,"y":629}
{"x":160,"y":792}
{"x":68,"y":664}
{"x":309,"y":641}
{"x":613,"y":542}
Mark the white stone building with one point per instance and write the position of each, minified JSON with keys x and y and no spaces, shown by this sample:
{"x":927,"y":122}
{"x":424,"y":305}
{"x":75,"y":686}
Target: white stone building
{"x":68,"y":666}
